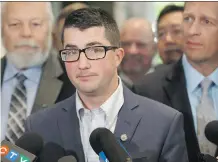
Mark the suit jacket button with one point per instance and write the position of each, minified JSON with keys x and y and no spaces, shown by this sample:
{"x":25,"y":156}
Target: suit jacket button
{"x":123,"y":137}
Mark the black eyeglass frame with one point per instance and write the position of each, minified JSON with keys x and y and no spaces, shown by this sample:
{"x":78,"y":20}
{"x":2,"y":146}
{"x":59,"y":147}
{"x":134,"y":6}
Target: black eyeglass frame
{"x":106,"y":48}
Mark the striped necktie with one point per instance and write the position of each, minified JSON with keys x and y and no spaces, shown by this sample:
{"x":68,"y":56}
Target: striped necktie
{"x":205,"y":114}
{"x":18,"y":108}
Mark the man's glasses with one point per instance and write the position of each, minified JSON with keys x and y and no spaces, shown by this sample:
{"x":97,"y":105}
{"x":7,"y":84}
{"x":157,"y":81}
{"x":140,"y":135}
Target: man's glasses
{"x":91,"y":53}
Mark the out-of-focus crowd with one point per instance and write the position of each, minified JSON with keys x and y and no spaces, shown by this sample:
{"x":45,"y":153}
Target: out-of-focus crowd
{"x":34,"y":77}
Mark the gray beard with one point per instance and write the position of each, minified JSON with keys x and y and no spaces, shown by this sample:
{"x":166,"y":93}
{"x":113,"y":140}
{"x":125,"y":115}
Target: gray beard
{"x":27,"y":60}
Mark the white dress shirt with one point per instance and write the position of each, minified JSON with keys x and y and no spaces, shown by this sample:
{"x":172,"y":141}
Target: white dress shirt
{"x":105,"y":116}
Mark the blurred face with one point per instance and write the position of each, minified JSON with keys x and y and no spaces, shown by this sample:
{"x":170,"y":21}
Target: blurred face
{"x":139,"y":50}
{"x":92,"y":77}
{"x":26,"y":33}
{"x":201,"y":31}
{"x":57,"y":35}
{"x":170,"y":37}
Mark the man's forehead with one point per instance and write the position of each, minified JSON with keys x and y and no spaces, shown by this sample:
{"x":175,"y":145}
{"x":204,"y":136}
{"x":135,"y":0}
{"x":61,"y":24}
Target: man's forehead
{"x":20,"y":10}
{"x":208,"y":9}
{"x":80,"y":37}
{"x":137,"y":35}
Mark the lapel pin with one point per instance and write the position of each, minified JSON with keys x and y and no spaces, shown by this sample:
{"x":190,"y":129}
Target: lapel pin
{"x":123,"y":137}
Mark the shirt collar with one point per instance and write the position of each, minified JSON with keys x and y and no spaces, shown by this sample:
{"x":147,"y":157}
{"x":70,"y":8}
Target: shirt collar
{"x":214,"y":77}
{"x":193,"y":77}
{"x":111,"y":106}
{"x":32,"y":74}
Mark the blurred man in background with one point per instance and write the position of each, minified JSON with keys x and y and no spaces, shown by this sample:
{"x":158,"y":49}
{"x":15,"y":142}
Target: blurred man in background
{"x":137,"y":39}
{"x":60,"y":22}
{"x":170,"y":33}
{"x":191,"y":84}
{"x":31,"y":76}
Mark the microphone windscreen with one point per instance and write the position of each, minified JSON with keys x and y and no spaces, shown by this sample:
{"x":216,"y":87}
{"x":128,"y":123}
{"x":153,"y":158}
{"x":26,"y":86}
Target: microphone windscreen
{"x":71,"y":153}
{"x":211,"y":131}
{"x":51,"y":152}
{"x":209,"y":158}
{"x":67,"y":159}
{"x":30,"y":142}
{"x":102,"y":139}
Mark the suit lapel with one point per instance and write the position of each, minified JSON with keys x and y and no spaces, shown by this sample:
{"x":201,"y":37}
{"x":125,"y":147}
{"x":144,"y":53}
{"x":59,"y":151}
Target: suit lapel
{"x":127,"y":122}
{"x":68,"y":125}
{"x":49,"y":86}
{"x":175,"y":89}
{"x":3,"y":65}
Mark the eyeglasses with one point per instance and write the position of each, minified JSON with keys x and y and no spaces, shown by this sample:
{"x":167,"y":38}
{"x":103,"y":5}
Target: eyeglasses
{"x":91,"y":53}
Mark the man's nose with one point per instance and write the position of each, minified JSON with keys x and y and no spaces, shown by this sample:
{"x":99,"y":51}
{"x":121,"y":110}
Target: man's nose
{"x":83,"y":62}
{"x":133,"y":49}
{"x":26,"y":31}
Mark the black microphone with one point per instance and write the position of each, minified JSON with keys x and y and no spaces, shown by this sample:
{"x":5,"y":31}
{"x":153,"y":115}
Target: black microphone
{"x":104,"y":144}
{"x":30,"y":142}
{"x":71,"y":153}
{"x":207,"y":158}
{"x":211,"y":131}
{"x":51,"y":152}
{"x":25,"y":149}
{"x":69,"y":158}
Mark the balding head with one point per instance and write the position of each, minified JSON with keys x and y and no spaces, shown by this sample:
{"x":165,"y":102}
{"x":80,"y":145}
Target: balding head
{"x":137,"y":25}
{"x":137,"y":39}
{"x":26,"y":32}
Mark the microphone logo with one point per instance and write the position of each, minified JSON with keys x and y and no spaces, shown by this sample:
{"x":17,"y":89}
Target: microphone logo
{"x":4,"y":150}
{"x":12,"y":155}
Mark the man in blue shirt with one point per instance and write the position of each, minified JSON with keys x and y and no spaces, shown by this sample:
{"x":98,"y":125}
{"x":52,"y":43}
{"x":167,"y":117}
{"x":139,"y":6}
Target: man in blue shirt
{"x":31,"y":77}
{"x":191,"y":84}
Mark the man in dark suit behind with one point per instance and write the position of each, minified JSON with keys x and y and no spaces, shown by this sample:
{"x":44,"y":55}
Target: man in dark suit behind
{"x":179,"y":85}
{"x":27,"y":38}
{"x":149,"y":130}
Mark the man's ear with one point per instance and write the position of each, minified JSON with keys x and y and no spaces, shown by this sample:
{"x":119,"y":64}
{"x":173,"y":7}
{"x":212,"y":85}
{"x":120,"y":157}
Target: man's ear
{"x":119,"y":56}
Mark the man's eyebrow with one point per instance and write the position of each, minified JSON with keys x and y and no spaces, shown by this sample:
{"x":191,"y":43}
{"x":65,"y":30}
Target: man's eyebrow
{"x":94,"y":43}
{"x":71,"y":46}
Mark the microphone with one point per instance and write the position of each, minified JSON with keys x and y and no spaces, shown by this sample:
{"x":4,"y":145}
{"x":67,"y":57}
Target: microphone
{"x":25,"y":149}
{"x":207,"y":158}
{"x":108,"y":147}
{"x":30,"y":142}
{"x":211,"y":131}
{"x":67,"y":159}
{"x":71,"y":153}
{"x":51,"y":152}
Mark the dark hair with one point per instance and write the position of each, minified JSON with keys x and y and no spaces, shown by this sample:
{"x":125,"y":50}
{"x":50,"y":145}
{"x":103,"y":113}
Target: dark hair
{"x":94,"y":17}
{"x":169,"y":9}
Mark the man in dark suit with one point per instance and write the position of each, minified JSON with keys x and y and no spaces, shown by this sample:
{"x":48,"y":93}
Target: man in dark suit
{"x":180,"y":85}
{"x":149,"y":130}
{"x":26,"y":33}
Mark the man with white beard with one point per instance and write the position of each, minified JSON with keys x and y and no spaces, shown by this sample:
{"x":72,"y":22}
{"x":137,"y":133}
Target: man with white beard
{"x":31,"y":77}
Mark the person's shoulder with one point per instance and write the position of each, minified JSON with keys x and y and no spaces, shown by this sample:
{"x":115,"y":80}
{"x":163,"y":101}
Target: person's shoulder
{"x":156,"y":109}
{"x":52,"y":112}
{"x":158,"y":74}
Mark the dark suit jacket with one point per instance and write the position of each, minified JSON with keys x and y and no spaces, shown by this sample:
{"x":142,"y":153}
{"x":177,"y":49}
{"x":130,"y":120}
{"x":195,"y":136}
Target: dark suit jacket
{"x":168,"y":85}
{"x":54,"y":84}
{"x":154,"y":131}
